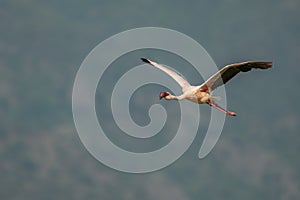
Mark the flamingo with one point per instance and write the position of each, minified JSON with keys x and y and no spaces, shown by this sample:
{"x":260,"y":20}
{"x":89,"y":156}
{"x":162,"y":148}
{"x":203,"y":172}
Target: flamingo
{"x":202,"y":94}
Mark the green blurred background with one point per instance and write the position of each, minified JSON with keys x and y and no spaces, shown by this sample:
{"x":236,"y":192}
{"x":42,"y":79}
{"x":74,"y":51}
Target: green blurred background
{"x":42,"y":44}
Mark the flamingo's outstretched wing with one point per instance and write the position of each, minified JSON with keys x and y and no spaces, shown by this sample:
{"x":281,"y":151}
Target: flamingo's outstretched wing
{"x":229,"y":71}
{"x":179,"y":79}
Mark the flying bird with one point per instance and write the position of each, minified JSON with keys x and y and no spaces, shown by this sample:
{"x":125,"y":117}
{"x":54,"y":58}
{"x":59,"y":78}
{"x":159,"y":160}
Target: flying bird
{"x":202,"y":94}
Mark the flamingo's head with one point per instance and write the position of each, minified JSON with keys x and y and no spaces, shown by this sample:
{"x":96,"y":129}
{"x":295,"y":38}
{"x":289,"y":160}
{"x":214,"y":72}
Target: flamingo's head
{"x":164,"y":95}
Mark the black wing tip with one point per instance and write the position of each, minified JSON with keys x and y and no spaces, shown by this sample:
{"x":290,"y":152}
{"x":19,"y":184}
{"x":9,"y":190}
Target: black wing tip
{"x":145,"y":60}
{"x":269,"y":64}
{"x":266,"y":65}
{"x":261,"y":65}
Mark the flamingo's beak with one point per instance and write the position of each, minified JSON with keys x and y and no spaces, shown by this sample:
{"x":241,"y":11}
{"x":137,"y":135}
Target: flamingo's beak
{"x":163,"y":94}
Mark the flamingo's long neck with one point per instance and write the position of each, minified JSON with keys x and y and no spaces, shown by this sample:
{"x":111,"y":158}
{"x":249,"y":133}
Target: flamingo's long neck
{"x":173,"y":97}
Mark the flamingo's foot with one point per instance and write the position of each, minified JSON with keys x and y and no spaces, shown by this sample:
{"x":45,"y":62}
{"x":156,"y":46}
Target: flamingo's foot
{"x":231,"y":113}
